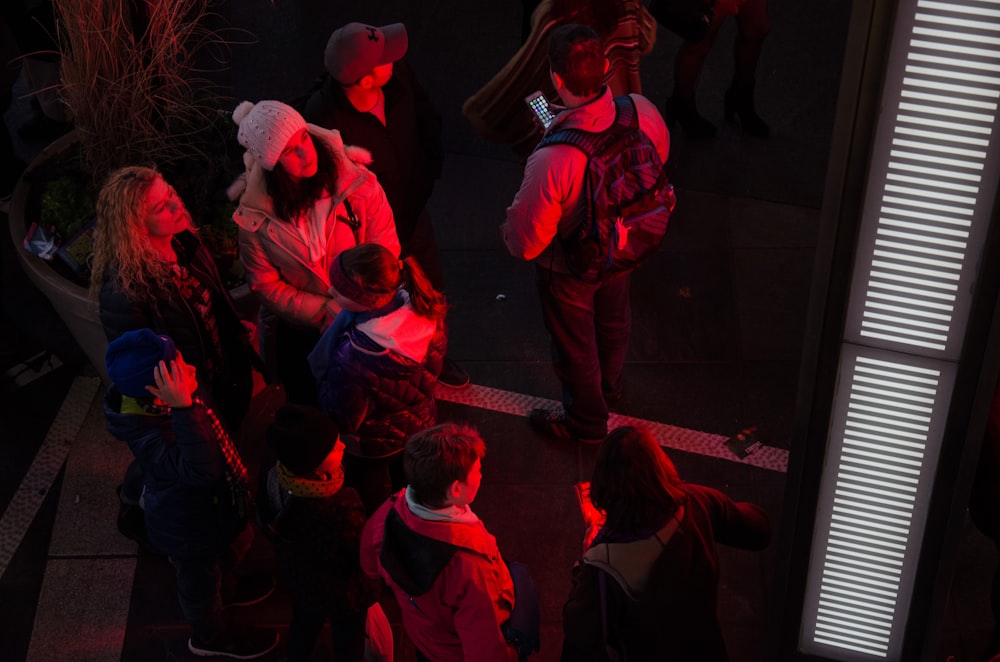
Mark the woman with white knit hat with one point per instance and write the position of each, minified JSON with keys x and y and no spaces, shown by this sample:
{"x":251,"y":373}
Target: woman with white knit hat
{"x":307,"y":198}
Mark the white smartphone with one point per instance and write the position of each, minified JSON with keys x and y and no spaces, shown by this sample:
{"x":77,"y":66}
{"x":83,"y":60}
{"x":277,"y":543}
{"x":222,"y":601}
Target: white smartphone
{"x":540,"y":107}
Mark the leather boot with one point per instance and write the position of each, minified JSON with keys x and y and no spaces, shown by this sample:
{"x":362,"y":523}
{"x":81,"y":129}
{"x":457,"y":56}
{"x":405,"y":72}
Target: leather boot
{"x":684,"y":111}
{"x":739,"y":103}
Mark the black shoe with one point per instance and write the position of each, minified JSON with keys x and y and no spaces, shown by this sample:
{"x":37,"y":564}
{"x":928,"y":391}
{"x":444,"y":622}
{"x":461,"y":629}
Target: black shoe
{"x":251,"y":589}
{"x":685,"y":112}
{"x":739,"y":104}
{"x":552,"y":424}
{"x":237,"y":644}
{"x":452,"y":375}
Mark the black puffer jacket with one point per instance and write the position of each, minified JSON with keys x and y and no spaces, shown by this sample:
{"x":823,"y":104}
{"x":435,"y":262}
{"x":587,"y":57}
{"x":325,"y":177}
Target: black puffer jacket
{"x":188,"y":509}
{"x":380,"y":397}
{"x":169,"y":313}
{"x":317,"y":541}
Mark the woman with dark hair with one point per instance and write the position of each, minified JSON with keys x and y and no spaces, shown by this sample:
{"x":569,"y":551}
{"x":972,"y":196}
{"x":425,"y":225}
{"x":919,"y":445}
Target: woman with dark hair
{"x":307,"y":198}
{"x":647,"y":585}
{"x":377,"y":365}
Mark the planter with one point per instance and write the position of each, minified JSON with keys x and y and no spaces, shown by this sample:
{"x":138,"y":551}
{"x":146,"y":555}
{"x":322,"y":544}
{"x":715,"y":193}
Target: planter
{"x":71,"y":301}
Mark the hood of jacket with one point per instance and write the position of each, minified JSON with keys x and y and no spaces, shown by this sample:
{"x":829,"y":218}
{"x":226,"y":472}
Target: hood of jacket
{"x":256,"y":205}
{"x":415,"y":551}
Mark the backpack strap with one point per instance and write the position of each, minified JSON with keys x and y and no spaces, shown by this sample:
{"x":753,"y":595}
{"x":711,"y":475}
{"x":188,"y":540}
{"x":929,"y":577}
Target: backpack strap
{"x":591,"y":142}
{"x":643,"y":553}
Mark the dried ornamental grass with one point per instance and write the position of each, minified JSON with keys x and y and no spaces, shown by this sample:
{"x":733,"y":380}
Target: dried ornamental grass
{"x":130,"y":80}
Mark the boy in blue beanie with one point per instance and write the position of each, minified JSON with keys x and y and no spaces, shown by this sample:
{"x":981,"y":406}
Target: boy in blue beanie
{"x":195,"y":486}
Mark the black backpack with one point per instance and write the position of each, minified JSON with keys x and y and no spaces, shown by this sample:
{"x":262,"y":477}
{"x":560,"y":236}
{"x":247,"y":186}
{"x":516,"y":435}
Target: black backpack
{"x":629,"y":199}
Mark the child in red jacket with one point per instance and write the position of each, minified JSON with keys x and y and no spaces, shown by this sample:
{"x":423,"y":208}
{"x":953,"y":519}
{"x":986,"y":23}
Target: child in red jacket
{"x":454,"y":589}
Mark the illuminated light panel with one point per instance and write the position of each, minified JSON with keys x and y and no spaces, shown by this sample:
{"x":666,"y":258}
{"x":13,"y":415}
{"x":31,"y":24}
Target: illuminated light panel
{"x":931,"y":187}
{"x":946,"y":70}
{"x":864,"y":543}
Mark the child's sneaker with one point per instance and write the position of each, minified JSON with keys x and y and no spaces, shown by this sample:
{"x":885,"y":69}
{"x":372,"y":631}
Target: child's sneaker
{"x":236,"y":644}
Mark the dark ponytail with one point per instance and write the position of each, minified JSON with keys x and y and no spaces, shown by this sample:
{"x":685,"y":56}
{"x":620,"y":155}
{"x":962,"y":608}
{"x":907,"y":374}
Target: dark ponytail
{"x":426,"y":301}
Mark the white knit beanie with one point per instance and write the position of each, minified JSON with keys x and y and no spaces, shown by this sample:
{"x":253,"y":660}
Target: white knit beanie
{"x":265,"y":129}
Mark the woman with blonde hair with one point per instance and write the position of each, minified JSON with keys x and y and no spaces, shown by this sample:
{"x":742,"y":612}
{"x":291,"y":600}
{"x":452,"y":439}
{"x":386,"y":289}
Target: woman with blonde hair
{"x":152,"y":272}
{"x":648,"y":582}
{"x":377,"y":365}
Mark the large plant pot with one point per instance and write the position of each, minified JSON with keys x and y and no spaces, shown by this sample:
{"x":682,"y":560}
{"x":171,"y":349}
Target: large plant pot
{"x":71,"y":302}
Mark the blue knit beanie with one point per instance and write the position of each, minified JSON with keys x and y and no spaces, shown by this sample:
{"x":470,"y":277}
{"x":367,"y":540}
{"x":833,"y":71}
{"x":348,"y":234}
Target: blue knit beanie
{"x":131,"y":357}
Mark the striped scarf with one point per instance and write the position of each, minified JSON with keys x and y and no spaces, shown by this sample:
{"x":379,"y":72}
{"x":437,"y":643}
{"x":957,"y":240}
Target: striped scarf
{"x":236,"y":466}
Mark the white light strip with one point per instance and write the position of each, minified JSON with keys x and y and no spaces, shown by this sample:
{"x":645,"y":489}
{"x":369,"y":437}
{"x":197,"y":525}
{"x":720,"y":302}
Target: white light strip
{"x":952,"y":75}
{"x":956,"y":63}
{"x":934,"y":158}
{"x":948,"y":34}
{"x":937,"y":173}
{"x":958,"y":8}
{"x":961,"y":127}
{"x":930,"y":230}
{"x":946,"y":101}
{"x":915,"y":247}
{"x":914,"y":239}
{"x":925,"y":193}
{"x":931,"y":183}
{"x":948,"y":87}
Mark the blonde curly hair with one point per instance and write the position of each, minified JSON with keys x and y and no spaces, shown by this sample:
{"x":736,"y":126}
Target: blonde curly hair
{"x":122,"y":239}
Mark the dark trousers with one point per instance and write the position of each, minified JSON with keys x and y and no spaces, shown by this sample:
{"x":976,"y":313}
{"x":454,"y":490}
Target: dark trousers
{"x":590,"y":326}
{"x":374,"y":478}
{"x":347,"y":632}
{"x":204,"y":582}
{"x":422,"y":246}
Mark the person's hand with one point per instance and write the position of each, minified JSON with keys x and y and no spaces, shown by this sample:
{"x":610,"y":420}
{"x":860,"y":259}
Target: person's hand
{"x":175,"y":382}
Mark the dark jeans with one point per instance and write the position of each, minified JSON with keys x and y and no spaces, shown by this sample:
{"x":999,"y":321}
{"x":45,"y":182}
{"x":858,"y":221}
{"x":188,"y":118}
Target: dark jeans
{"x":590,"y":326}
{"x":422,"y":246}
{"x":347,"y":632}
{"x":203,"y":582}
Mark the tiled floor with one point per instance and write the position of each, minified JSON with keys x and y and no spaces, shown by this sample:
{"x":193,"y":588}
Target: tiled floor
{"x":718,"y":320}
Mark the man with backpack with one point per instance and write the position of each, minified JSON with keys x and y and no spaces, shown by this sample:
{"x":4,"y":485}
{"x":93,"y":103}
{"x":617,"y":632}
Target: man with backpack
{"x":593,"y":204}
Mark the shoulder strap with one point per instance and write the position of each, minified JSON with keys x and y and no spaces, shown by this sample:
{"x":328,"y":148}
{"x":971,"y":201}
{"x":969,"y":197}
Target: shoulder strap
{"x":352,"y":221}
{"x":600,"y":556}
{"x":590,"y":142}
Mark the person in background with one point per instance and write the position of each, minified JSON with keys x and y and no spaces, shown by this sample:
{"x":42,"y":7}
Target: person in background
{"x":371,"y":95}
{"x":752,"y":26}
{"x":307,"y":197}
{"x":195,"y":489}
{"x":315,"y":522}
{"x":649,"y":581}
{"x":377,"y":365}
{"x":456,"y":593}
{"x":498,"y":113}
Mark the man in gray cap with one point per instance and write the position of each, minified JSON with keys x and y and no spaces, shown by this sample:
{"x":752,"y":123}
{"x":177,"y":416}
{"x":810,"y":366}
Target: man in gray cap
{"x":372,"y":97}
